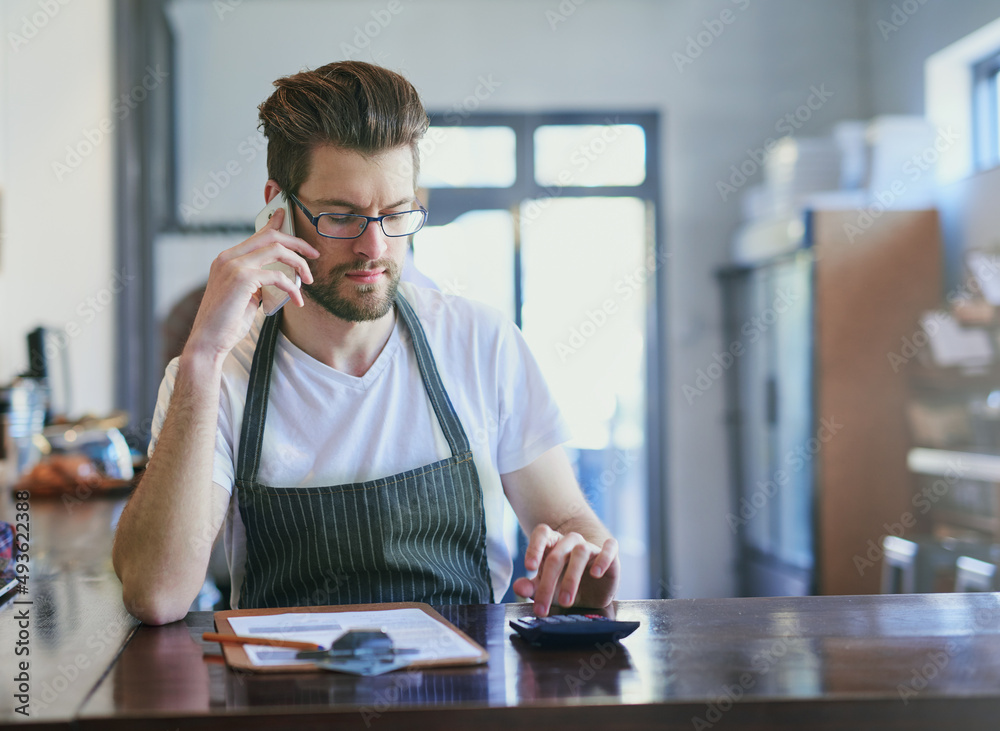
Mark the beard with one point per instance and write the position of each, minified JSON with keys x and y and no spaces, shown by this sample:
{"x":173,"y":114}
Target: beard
{"x":353,"y":302}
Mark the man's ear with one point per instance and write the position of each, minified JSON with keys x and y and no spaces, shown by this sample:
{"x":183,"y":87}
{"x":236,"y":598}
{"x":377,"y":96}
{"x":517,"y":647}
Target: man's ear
{"x":271,"y":189}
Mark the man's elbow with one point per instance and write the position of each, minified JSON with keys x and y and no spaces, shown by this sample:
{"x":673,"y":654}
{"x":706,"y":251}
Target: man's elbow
{"x":153,"y":607}
{"x":148,"y":600}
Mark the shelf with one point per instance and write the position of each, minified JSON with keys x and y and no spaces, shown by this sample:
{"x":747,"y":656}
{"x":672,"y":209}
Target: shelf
{"x":979,"y":465}
{"x":922,"y":378}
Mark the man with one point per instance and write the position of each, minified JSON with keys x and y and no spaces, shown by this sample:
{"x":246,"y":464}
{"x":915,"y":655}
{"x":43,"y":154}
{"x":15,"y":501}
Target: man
{"x":364,"y":486}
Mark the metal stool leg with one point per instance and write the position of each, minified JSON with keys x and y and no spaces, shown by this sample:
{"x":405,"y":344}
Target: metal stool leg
{"x":899,"y":572}
{"x":974,"y":575}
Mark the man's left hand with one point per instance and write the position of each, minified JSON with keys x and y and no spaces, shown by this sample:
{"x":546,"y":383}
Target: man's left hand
{"x":581,"y":572}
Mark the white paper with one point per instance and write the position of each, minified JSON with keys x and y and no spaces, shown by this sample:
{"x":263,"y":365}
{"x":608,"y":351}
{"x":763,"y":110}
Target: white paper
{"x":408,"y":628}
{"x":985,"y":268}
{"x":953,"y":345}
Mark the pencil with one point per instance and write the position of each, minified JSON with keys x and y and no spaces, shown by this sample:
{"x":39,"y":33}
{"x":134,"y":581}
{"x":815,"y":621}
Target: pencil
{"x":237,"y":640}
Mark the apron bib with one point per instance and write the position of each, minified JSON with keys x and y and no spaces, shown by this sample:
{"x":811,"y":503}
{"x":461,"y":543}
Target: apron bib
{"x":419,"y":535}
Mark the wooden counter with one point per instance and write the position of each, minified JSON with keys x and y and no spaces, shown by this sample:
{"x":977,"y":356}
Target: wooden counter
{"x":919,"y":661}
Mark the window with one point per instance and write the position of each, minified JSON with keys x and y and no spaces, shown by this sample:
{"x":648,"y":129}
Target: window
{"x":551,"y":219}
{"x":986,"y":112}
{"x":590,"y":155}
{"x":961,"y":97}
{"x":464,"y":157}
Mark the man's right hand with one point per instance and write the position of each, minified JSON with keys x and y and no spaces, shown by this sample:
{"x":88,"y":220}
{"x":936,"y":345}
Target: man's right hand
{"x":232,"y":295}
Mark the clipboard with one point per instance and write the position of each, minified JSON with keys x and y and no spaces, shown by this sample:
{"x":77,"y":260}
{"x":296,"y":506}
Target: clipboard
{"x":237,"y":659}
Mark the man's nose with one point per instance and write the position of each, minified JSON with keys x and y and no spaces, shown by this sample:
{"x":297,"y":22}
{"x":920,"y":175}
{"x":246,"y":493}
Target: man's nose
{"x":372,"y":243}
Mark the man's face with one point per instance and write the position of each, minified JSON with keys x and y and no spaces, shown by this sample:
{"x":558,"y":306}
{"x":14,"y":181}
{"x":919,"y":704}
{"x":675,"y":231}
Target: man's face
{"x":356,"y":279}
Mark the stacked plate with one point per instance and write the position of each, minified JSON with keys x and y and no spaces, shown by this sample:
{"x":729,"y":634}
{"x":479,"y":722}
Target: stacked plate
{"x":799,"y":166}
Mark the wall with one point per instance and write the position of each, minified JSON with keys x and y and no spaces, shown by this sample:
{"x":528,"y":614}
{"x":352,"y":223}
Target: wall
{"x":57,"y":251}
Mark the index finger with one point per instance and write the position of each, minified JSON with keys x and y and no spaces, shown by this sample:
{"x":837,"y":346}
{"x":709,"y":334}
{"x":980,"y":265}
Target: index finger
{"x":275,"y":223}
{"x":277,"y":218}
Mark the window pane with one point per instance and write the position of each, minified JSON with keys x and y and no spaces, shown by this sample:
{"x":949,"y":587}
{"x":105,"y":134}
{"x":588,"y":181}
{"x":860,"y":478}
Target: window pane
{"x":587,"y":273}
{"x":468,"y":157}
{"x":996,"y":118}
{"x":589,"y":155}
{"x":472,"y":256}
{"x":584,"y":313}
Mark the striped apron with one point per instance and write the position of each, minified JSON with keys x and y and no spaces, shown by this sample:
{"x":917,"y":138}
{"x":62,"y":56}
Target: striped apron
{"x":419,"y":535}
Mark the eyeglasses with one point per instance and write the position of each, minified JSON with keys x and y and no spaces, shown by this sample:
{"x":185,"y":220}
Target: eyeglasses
{"x":351,"y":226}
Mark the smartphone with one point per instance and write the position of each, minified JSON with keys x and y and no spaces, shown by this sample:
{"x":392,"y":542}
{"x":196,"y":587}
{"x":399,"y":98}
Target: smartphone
{"x":272,"y":298}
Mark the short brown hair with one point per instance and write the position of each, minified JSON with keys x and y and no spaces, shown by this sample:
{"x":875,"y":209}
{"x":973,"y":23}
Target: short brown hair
{"x":350,"y":104}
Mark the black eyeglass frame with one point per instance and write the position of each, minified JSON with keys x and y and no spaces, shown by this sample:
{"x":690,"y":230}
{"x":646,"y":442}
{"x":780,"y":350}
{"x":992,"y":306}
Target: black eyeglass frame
{"x":314,"y":220}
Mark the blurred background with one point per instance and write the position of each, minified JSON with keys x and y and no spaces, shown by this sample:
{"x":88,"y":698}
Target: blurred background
{"x":772,"y":223}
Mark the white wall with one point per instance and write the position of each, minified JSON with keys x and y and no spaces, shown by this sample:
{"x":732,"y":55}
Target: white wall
{"x":57,"y":250}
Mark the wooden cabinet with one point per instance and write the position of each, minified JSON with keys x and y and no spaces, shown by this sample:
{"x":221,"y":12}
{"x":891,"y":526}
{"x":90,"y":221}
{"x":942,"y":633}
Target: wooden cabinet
{"x":817,"y":405}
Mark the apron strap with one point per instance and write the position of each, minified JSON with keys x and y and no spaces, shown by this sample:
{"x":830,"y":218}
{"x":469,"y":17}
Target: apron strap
{"x":447,"y":418}
{"x":255,"y":410}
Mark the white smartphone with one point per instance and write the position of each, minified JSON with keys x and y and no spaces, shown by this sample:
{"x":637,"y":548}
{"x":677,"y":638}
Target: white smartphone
{"x":272,"y":298}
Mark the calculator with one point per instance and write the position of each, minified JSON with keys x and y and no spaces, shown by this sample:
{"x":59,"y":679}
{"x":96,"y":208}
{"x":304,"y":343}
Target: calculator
{"x":571,"y":629}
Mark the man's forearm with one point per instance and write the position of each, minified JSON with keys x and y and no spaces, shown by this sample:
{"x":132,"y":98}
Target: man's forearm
{"x":165,"y":534}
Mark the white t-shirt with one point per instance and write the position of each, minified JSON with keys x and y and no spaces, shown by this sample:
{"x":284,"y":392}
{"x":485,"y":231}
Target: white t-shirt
{"x":325,"y":427}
